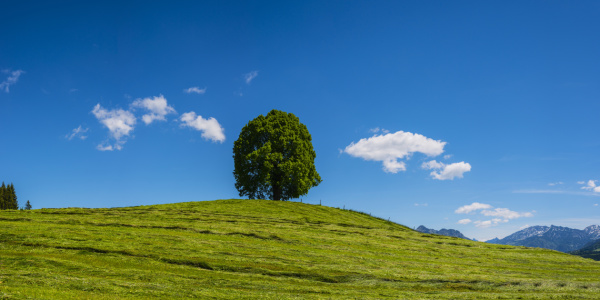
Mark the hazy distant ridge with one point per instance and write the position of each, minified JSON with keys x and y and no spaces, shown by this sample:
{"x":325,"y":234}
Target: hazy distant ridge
{"x":443,"y":231}
{"x":552,"y":237}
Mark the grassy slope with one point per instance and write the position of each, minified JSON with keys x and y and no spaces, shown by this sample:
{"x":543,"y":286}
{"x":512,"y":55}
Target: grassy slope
{"x":265,"y":249}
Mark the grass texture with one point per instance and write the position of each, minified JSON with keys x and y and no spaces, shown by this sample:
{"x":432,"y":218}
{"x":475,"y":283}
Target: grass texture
{"x":232,"y":249}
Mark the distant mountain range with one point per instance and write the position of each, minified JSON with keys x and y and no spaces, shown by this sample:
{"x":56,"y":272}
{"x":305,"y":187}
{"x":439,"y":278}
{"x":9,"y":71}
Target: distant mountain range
{"x":585,"y":243}
{"x":443,"y":231}
{"x":558,"y":238}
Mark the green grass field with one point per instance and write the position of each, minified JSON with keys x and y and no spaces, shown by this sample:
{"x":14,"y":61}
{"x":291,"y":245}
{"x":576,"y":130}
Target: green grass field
{"x":266,"y":249}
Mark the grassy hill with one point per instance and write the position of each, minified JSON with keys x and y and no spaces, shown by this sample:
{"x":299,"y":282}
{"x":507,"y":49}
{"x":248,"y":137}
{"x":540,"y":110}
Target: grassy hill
{"x":266,"y":249}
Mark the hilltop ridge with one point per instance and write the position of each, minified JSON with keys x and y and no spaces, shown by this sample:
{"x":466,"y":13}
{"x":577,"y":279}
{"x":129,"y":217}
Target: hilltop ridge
{"x":265,"y":249}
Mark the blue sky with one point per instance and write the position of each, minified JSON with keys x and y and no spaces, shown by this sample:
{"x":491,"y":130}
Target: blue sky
{"x":476,"y":115}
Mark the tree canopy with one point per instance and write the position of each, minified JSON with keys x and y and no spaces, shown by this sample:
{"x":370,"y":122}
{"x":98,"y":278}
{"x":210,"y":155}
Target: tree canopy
{"x":274,"y":158}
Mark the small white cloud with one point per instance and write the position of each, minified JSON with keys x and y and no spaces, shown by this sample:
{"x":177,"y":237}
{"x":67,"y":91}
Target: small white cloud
{"x":432,"y":164}
{"x":472,"y":207}
{"x":393,"y":166}
{"x":157,"y":106}
{"x":580,"y":182}
{"x":119,"y":122}
{"x":377,"y":129}
{"x":210,"y":128}
{"x":391,"y":147}
{"x":464,"y":221}
{"x":524,"y":226}
{"x":451,"y":171}
{"x":483,"y":224}
{"x":248,"y":77}
{"x":421,"y":204}
{"x":196,"y":90}
{"x":489,"y":223}
{"x":505,"y":213}
{"x":591,"y":186}
{"x":447,"y":156}
{"x":595,"y":204}
{"x":13,"y":77}
{"x":107,"y":147}
{"x":555,"y":183}
{"x":448,"y":172}
{"x":78,"y":132}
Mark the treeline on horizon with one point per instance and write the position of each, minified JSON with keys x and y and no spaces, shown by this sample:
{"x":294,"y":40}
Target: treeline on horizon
{"x":8,"y":198}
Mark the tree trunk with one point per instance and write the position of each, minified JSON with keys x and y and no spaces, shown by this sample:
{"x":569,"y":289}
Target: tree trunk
{"x":276,"y":184}
{"x":276,"y":191}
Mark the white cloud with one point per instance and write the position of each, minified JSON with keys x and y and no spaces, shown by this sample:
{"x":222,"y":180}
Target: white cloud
{"x":107,"y":147}
{"x":505,"y":213}
{"x":210,"y":128}
{"x":390,"y":147}
{"x":524,"y":226}
{"x":421,"y":204}
{"x":119,"y":122}
{"x":483,"y":224}
{"x":250,"y":76}
{"x":157,"y":106}
{"x":377,"y":129}
{"x":555,"y":183}
{"x":195,"y":89}
{"x":432,"y":164}
{"x":447,"y":156}
{"x":464,"y":221}
{"x":393,"y":166}
{"x":12,"y":79}
{"x":451,"y":171}
{"x":591,"y":186}
{"x":595,"y":204}
{"x":77,"y":132}
{"x":489,"y":223}
{"x":472,"y":207}
{"x":580,"y":182}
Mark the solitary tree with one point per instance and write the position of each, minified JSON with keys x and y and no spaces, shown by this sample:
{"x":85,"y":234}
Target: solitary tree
{"x":274,"y":158}
{"x":28,"y":205}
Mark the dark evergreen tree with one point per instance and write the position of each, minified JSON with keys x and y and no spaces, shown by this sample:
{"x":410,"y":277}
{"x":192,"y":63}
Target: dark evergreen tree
{"x":3,"y":196}
{"x":27,"y":205}
{"x":8,"y":197}
{"x":13,"y":203}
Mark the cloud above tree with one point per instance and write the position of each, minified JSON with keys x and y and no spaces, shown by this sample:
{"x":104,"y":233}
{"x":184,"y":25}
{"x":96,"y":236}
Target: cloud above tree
{"x":394,"y":149}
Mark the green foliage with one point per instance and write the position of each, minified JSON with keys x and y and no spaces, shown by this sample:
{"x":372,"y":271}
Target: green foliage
{"x":28,"y":205}
{"x":274,"y":158}
{"x":240,"y":249}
